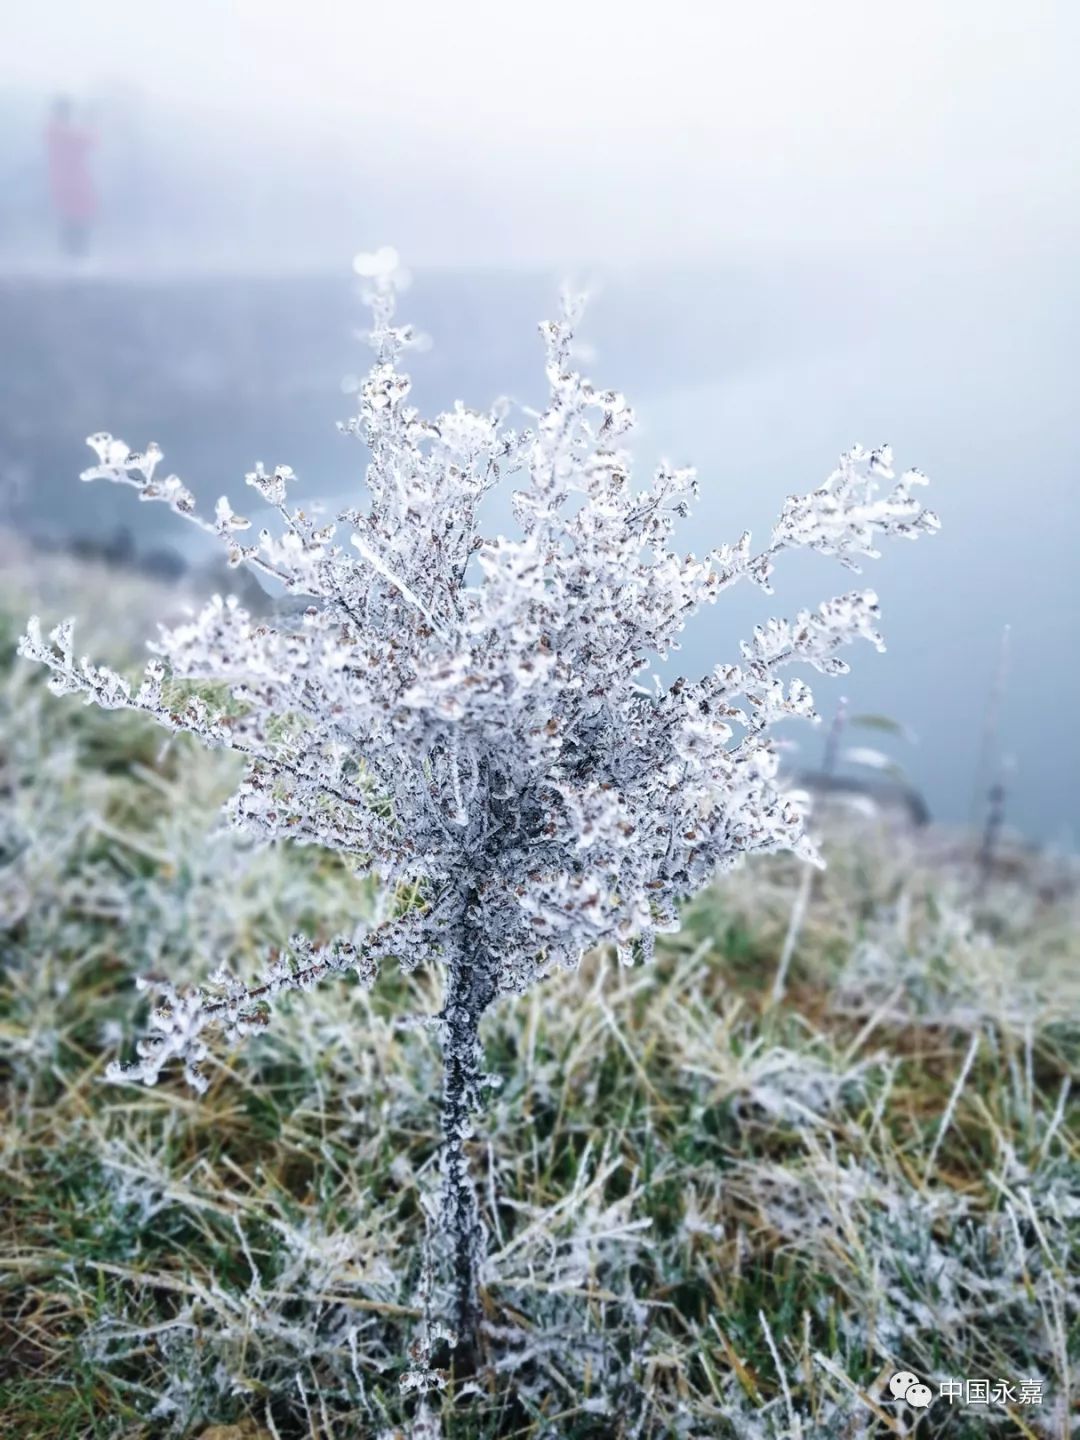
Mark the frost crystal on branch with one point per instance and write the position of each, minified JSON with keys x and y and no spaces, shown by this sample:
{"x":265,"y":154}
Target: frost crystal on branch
{"x":467,"y":716}
{"x":481,"y":729}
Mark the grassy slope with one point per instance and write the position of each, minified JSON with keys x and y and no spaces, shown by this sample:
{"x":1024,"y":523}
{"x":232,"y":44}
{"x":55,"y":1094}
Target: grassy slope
{"x":711,"y":1214}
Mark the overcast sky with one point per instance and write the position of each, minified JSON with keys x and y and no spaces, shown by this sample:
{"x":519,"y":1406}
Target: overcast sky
{"x":621,"y":130}
{"x":881,"y":198}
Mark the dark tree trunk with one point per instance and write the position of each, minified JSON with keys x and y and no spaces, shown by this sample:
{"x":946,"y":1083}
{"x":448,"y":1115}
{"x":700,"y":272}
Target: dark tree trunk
{"x":470,"y":988}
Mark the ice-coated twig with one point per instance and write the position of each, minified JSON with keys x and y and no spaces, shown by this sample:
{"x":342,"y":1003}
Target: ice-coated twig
{"x":479,"y":720}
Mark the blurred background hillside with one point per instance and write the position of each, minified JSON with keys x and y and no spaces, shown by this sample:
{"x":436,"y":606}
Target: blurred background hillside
{"x":803,"y":227}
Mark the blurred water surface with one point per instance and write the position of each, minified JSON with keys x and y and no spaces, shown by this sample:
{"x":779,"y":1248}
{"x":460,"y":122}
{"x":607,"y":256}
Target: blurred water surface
{"x":759,"y":375}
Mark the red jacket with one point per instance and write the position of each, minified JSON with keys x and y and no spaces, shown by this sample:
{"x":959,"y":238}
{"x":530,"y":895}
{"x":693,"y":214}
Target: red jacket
{"x":69,"y":170}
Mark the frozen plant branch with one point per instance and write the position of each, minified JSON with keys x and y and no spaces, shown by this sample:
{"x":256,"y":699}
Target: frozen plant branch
{"x":465,"y":715}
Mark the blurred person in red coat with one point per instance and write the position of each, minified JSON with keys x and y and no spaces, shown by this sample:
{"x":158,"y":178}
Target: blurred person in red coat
{"x":69,"y":146}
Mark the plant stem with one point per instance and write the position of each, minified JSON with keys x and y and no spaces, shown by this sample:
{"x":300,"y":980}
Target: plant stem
{"x":470,"y":988}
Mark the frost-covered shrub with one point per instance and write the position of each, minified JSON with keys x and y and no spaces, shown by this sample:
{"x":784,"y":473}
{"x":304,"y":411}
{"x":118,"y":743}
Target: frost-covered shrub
{"x":476,"y":720}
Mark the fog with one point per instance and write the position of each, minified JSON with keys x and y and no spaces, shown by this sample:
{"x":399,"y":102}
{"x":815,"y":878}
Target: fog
{"x":484,"y":133}
{"x":805,"y":225}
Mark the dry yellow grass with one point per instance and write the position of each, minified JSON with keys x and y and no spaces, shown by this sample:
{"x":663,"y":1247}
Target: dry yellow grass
{"x":711,"y":1213}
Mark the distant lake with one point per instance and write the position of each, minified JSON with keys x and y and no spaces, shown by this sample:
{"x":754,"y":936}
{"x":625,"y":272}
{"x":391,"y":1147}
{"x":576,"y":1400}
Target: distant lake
{"x":759,"y":377}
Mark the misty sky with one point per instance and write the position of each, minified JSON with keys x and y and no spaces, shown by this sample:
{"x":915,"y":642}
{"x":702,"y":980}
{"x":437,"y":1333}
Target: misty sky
{"x":867,"y":214}
{"x":615,"y":131}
